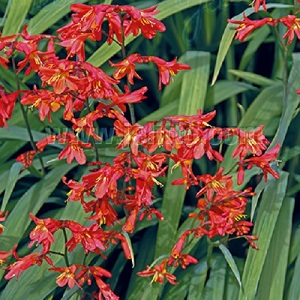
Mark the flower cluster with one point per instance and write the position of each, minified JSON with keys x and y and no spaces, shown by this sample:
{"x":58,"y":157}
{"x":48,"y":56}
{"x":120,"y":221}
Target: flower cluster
{"x":247,"y":26}
{"x":128,"y":185}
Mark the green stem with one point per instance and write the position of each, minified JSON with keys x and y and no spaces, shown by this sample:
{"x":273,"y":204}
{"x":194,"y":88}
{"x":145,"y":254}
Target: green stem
{"x":124,"y":55}
{"x":93,"y":140}
{"x":57,"y":253}
{"x":66,"y":250}
{"x":32,"y":143}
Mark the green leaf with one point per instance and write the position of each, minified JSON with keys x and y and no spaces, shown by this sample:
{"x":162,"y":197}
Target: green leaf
{"x":264,"y":227}
{"x":272,"y":287}
{"x":12,"y":179}
{"x":50,"y":14}
{"x":166,"y":8}
{"x":253,"y":78}
{"x":215,"y":286}
{"x":262,"y":111}
{"x":165,"y":111}
{"x":258,"y":190}
{"x":259,"y":36}
{"x":197,"y":61}
{"x":230,"y":260}
{"x":294,"y":290}
{"x":139,"y":287}
{"x":194,"y":84}
{"x":198,"y":281}
{"x":16,"y":15}
{"x":19,"y":133}
{"x":295,"y":245}
{"x":188,"y":105}
{"x":290,"y":103}
{"x":31,"y":202}
{"x":225,"y":89}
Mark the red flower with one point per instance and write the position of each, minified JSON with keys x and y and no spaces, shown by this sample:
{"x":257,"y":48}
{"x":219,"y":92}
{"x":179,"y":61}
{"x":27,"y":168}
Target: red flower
{"x":263,"y":162}
{"x":246,"y":26}
{"x":128,"y":131}
{"x":43,"y":232}
{"x":104,"y":181}
{"x":258,"y":3}
{"x":77,"y":190}
{"x":22,"y":264}
{"x":73,"y":148}
{"x":50,"y":139}
{"x":166,"y":69}
{"x":141,"y":20}
{"x":128,"y":97}
{"x":91,"y":238}
{"x":4,"y":255}
{"x":61,"y":77}
{"x":127,"y":67}
{"x":7,"y":105}
{"x":104,"y":213}
{"x":46,"y":101}
{"x":86,"y":124}
{"x":67,"y":276}
{"x":218,"y":184}
{"x":2,"y":219}
{"x":250,"y":141}
{"x":168,"y":138}
{"x":159,"y":273}
{"x":4,"y":61}
{"x":293,"y":25}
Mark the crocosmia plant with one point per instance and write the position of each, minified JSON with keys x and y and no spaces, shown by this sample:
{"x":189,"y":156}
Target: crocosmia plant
{"x":105,"y":198}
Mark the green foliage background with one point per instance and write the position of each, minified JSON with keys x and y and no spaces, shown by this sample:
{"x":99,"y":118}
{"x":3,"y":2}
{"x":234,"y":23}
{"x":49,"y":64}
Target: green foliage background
{"x":243,"y":82}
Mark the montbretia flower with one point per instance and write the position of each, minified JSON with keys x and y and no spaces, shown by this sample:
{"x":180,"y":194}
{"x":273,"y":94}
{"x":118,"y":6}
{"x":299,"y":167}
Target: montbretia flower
{"x":254,"y":142}
{"x":167,"y":69}
{"x":218,"y":184}
{"x":23,"y":263}
{"x":263,"y":162}
{"x":127,"y":67}
{"x":43,"y":232}
{"x":67,"y":276}
{"x":2,"y":219}
{"x":293,"y":25}
{"x":159,"y":273}
{"x":247,"y":26}
{"x":257,"y":3}
{"x":142,"y":20}
{"x":73,"y":150}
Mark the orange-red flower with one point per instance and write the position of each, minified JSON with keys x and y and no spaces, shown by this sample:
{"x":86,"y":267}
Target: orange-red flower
{"x":247,"y":26}
{"x":250,"y":141}
{"x":67,"y":276}
{"x":45,"y":100}
{"x":7,"y":105}
{"x":2,"y":219}
{"x":293,"y":25}
{"x":258,"y":3}
{"x":127,"y":67}
{"x":130,"y":133}
{"x":43,"y":232}
{"x":167,"y":69}
{"x":4,"y":255}
{"x":91,"y":238}
{"x":73,"y":148}
{"x":22,"y":264}
{"x":159,"y":273}
{"x":61,"y":77}
{"x":264,"y":161}
{"x":142,"y":20}
{"x":218,"y":184}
